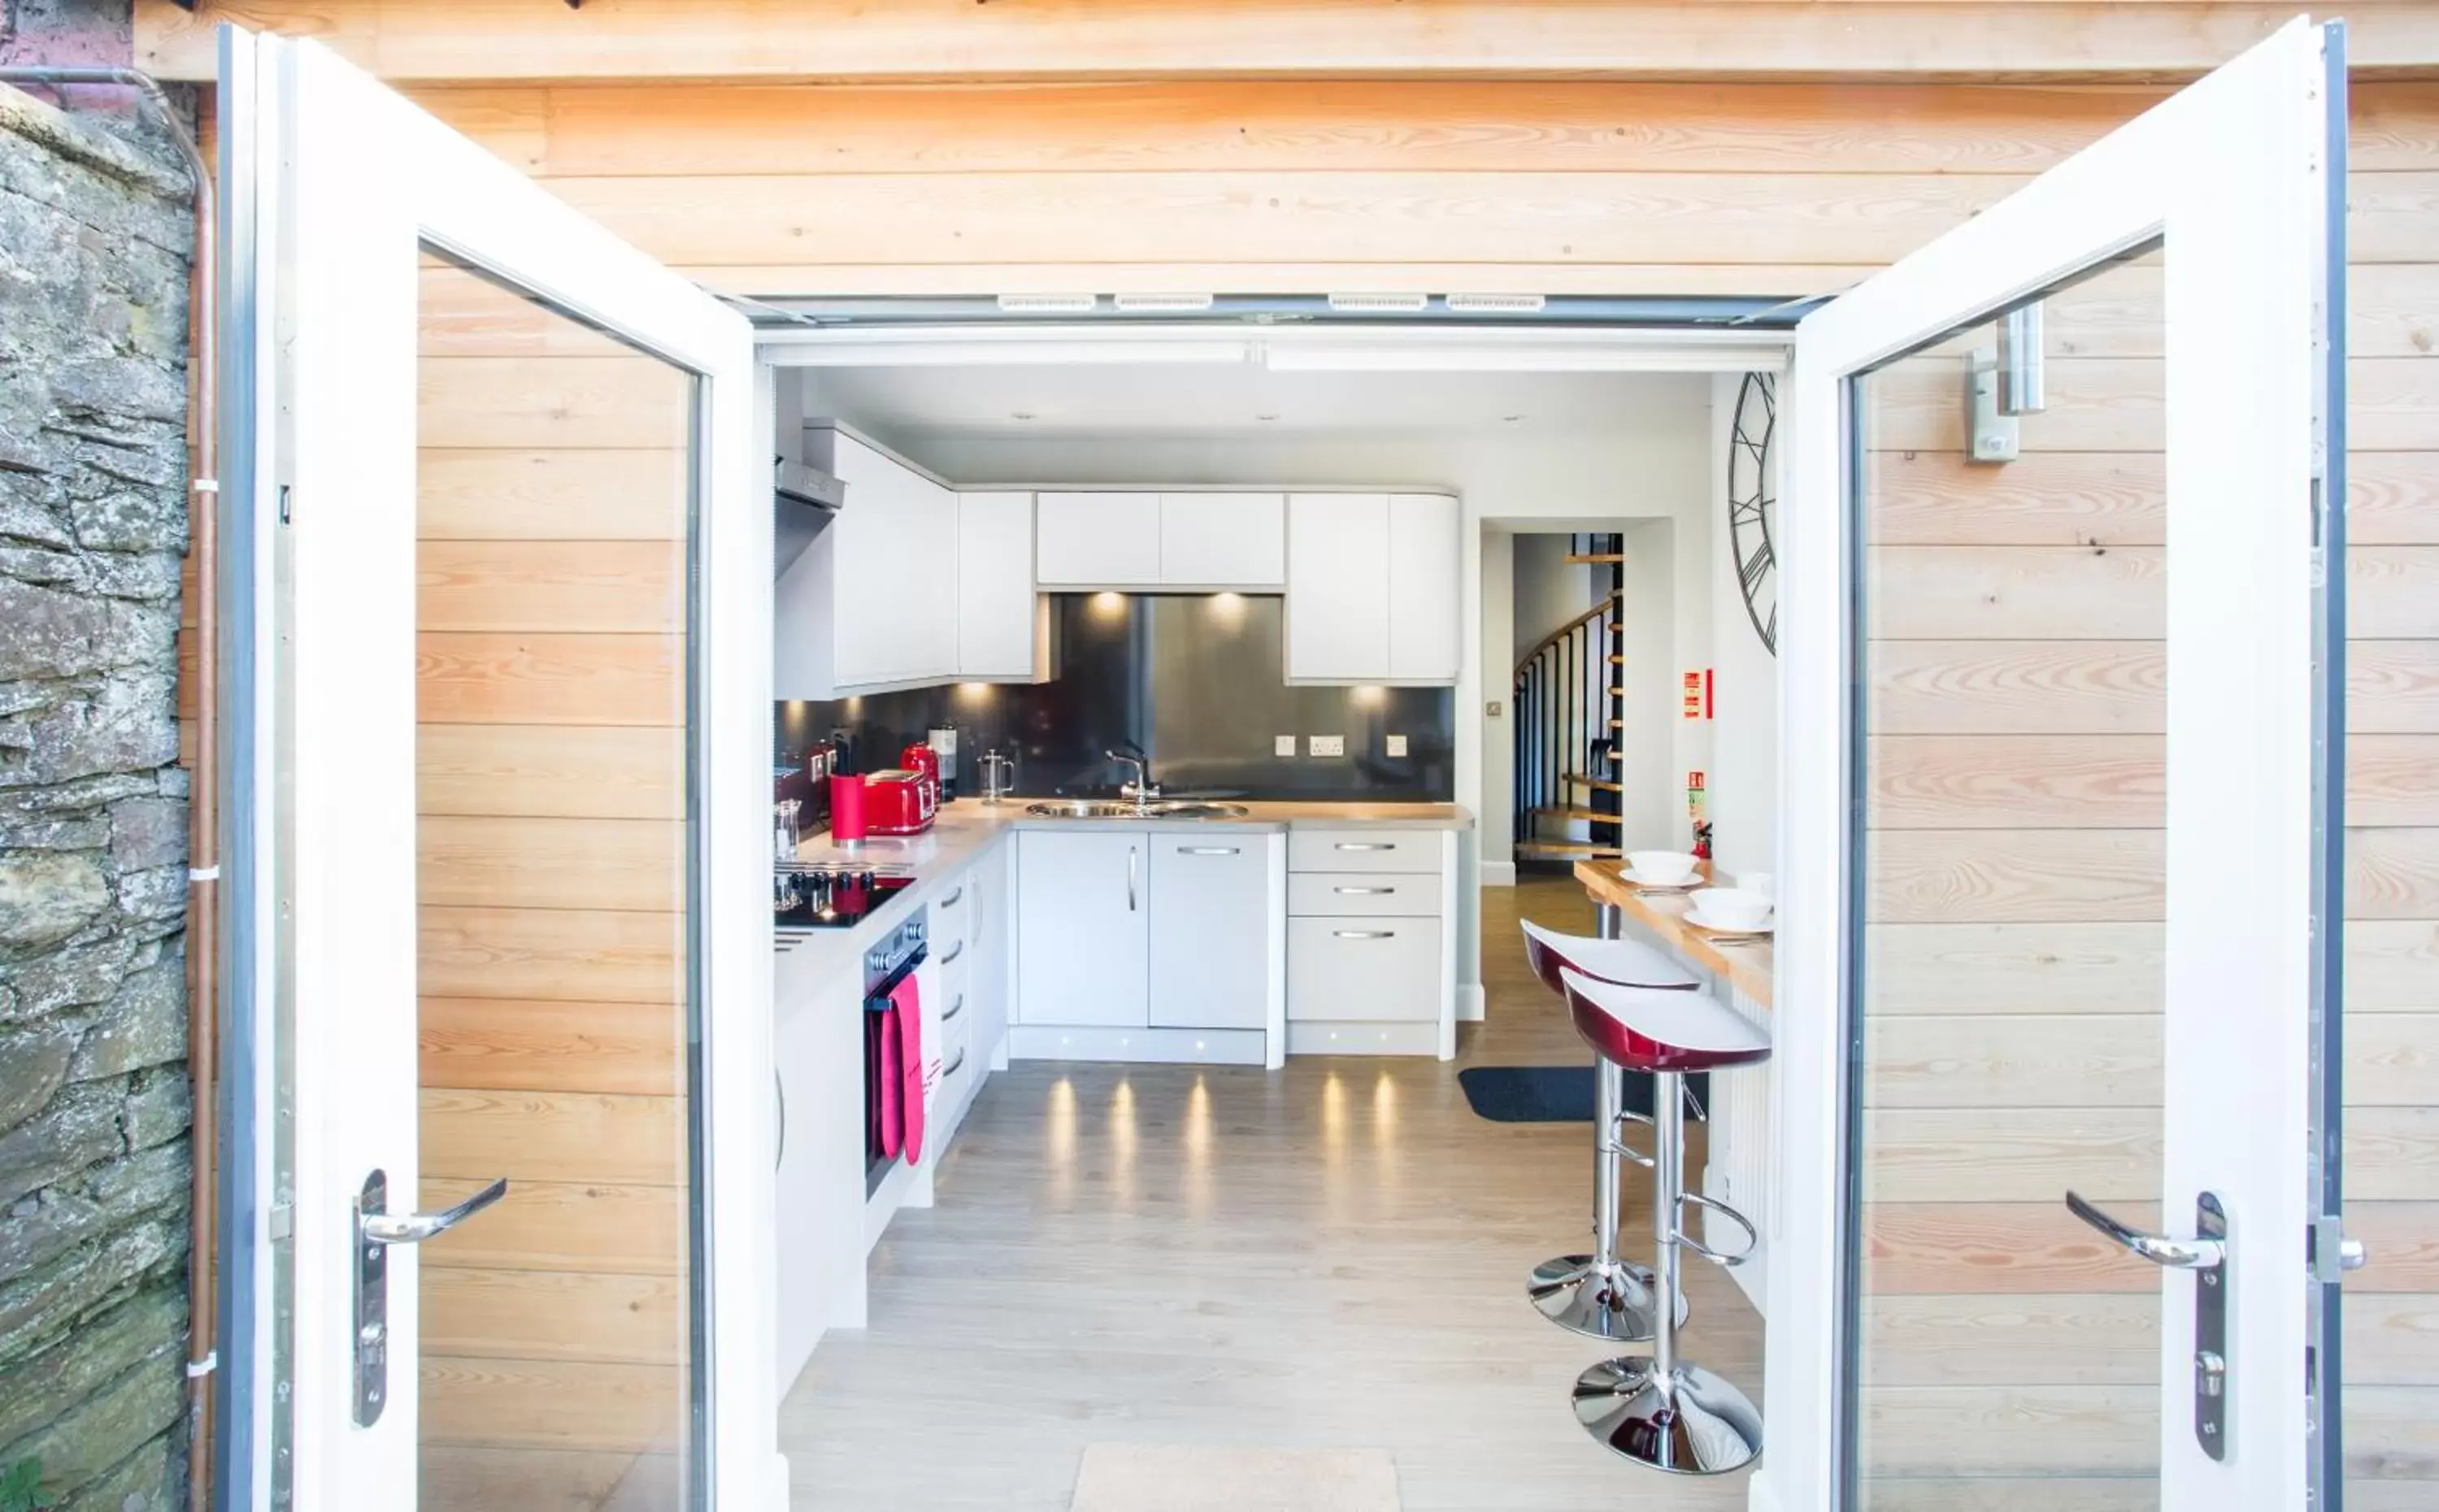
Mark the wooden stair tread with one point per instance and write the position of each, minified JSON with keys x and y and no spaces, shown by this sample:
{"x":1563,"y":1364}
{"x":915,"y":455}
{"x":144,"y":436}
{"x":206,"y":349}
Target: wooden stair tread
{"x":1602,"y":783}
{"x":1588,"y":815}
{"x":1565,"y":849}
{"x":1596,"y":556}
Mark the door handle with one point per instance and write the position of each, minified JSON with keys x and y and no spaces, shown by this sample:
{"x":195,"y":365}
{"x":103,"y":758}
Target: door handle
{"x":2177,"y":1254}
{"x":377,"y":1229}
{"x":2206,"y":1255}
{"x":1207,"y":850}
{"x":1130,"y":879}
{"x":413,"y":1228}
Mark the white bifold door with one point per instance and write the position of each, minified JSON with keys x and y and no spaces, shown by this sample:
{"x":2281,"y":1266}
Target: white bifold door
{"x":2059,"y":872}
{"x":503,"y":562}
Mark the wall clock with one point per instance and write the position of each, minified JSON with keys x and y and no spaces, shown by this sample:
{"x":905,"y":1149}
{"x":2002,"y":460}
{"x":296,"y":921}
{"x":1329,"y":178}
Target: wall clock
{"x":1753,"y":502}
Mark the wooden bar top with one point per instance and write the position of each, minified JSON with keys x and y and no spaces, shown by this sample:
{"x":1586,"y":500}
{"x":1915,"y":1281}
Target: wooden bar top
{"x":1748,"y":967}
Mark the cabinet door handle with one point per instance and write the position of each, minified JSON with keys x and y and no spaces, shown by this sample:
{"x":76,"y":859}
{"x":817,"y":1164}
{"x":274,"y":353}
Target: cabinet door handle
{"x":779,"y":1091}
{"x":1364,"y":892}
{"x":955,"y":1066}
{"x":954,"y":951}
{"x":1207,"y":850}
{"x":1365,"y":933}
{"x":950,"y":902}
{"x":1130,"y":879}
{"x":955,"y":1008}
{"x":1367,"y":844}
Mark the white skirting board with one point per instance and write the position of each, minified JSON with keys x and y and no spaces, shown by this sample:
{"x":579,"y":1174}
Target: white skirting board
{"x":1498,"y":873}
{"x":1216,"y":1048}
{"x":1364,"y":1037}
{"x":1471,"y":1003}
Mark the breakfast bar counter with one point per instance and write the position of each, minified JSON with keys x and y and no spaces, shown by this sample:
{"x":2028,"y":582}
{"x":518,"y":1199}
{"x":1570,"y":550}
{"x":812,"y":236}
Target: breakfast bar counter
{"x":1744,"y":962}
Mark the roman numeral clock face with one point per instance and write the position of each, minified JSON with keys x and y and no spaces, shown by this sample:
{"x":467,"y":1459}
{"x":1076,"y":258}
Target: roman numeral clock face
{"x":1753,"y":502}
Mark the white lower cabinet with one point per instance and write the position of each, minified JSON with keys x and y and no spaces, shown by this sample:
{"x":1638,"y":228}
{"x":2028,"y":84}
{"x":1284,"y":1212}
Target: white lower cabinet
{"x":1210,"y":923}
{"x":1371,"y":957}
{"x":1153,"y":946}
{"x":1084,"y":929}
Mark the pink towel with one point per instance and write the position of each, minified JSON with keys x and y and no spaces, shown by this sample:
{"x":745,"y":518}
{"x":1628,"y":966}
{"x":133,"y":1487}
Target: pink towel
{"x":906,"y":1006}
{"x":888,"y":1086}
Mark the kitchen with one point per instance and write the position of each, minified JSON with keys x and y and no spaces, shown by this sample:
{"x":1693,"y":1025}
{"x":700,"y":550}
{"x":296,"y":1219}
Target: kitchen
{"x":1179,"y":832}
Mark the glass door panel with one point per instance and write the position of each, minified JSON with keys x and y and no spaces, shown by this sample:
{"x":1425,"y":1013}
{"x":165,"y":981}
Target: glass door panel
{"x":555,"y":1013}
{"x":2010,"y":622}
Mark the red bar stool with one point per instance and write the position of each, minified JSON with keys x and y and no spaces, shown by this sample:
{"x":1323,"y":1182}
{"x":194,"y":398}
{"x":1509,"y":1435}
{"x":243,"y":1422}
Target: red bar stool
{"x":1657,"y":1410}
{"x":1600,"y":1294}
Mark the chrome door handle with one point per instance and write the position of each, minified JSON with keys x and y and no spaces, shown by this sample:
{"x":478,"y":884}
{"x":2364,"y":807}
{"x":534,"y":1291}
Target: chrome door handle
{"x":1207,"y":850}
{"x":954,"y":951}
{"x":2206,"y":1255}
{"x":2180,"y":1254}
{"x":1364,"y":892}
{"x":1130,"y":879}
{"x":413,"y":1228}
{"x":951,"y":901}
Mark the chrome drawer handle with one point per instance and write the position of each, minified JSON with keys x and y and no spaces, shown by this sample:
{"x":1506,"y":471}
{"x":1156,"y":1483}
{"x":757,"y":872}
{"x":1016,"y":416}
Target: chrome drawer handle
{"x":954,"y":951}
{"x":1365,"y":933}
{"x":950,"y":902}
{"x":1367,"y":844}
{"x":1207,"y":850}
{"x":1364,"y":892}
{"x":955,"y":1008}
{"x":955,"y":1066}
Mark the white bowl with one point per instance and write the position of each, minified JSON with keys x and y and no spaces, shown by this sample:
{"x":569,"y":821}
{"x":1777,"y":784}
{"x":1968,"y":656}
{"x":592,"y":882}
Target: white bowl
{"x":1731,"y":907}
{"x":1662,"y":866}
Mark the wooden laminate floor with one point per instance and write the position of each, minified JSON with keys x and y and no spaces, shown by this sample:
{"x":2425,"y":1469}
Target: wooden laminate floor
{"x":1332,"y":1256}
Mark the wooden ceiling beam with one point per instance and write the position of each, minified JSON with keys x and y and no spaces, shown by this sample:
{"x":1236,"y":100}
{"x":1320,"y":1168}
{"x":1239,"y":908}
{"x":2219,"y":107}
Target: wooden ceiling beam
{"x":855,"y":42}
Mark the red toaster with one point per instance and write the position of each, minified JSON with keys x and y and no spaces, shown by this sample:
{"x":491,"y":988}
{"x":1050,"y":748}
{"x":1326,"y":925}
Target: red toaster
{"x":900,"y":802}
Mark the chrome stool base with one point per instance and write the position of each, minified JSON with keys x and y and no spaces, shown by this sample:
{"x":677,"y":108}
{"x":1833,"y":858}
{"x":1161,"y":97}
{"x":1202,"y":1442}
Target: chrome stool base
{"x":1613,"y":1302}
{"x":1688,"y":1421}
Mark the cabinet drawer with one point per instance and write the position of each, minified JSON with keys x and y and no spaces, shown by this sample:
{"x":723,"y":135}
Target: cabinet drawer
{"x":1347,"y":969}
{"x":951,"y":918}
{"x":1401,"y":850}
{"x":1364,"y":894}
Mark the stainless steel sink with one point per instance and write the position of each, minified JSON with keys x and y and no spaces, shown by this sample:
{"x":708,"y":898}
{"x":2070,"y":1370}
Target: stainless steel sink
{"x":1108,"y":808}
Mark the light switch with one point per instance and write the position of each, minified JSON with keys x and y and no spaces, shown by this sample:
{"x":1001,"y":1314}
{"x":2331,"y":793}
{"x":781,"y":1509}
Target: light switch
{"x":1283,"y":745}
{"x":1396,"y":745}
{"x":1325,"y":745}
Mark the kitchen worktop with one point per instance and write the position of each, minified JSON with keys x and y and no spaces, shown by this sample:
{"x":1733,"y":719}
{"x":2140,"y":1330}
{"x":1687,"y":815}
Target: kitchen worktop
{"x":1749,"y":968}
{"x":967,"y":828}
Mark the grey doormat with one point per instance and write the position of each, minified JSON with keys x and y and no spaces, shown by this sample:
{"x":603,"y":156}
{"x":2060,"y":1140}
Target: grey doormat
{"x":1182,"y":1478}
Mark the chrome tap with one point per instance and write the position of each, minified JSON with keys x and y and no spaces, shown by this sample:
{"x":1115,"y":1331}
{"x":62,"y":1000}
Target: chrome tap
{"x":1143,"y":790}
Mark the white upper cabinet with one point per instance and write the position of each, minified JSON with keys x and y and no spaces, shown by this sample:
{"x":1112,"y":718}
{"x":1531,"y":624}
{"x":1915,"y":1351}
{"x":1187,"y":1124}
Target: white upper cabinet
{"x":1099,"y":541}
{"x":873,"y":602}
{"x":1374,"y":594}
{"x":1425,"y":587}
{"x":1223,"y":541}
{"x":1003,"y":627}
{"x":1338,"y":587}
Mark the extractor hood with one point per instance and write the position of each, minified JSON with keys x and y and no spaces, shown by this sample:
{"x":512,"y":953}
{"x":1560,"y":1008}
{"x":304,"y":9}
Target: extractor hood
{"x":805,"y":498}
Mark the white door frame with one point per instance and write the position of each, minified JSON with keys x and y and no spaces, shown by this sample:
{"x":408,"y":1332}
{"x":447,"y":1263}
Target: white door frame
{"x":2232,"y":172}
{"x":342,"y":181}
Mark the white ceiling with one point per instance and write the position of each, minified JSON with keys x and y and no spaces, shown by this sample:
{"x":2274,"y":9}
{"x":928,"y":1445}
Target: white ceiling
{"x":1221,"y":400}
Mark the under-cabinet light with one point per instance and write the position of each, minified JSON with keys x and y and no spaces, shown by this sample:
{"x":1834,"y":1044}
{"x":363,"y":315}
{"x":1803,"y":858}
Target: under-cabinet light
{"x":1380,"y":304}
{"x":1495,"y":304}
{"x":1160,"y":304}
{"x":1049,"y":304}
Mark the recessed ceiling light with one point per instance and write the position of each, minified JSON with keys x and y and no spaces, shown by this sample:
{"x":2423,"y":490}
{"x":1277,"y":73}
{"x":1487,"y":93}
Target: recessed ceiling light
{"x":1026,"y":415}
{"x":1510,"y":418}
{"x":1266,"y":417}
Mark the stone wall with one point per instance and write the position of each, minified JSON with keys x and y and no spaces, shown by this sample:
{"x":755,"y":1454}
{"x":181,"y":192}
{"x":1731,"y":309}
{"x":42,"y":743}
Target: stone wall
{"x":93,"y":1099}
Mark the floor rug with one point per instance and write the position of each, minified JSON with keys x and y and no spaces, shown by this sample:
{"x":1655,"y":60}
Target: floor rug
{"x":1557,"y":1095}
{"x":1162,"y":1478}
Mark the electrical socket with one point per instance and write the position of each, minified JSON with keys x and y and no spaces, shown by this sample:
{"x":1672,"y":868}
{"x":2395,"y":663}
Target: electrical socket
{"x":1396,"y":745}
{"x":1325,"y":745}
{"x":1283,"y":745}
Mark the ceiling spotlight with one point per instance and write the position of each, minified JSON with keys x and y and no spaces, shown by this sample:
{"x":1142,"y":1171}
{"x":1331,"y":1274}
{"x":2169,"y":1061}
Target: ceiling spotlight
{"x":1266,"y":417}
{"x":1026,"y":415}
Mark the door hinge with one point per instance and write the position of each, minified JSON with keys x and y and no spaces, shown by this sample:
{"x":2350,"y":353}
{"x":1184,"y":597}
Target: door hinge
{"x":281,"y":1220}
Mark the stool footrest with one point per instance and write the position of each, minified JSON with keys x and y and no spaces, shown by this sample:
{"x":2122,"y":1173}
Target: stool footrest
{"x":1721,"y":1257}
{"x":1615,"y":1144}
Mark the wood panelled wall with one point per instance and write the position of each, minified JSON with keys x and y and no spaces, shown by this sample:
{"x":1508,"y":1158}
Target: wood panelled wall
{"x":552,"y":810}
{"x":1754,"y":188}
